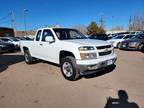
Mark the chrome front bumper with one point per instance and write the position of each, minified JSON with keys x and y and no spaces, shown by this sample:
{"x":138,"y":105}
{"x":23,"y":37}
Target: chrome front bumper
{"x":89,"y":69}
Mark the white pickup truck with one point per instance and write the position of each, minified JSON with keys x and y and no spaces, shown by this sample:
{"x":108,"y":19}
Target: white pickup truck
{"x":74,"y":52}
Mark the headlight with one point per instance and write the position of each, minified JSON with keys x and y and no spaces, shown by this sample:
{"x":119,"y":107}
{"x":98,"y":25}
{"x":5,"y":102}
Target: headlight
{"x":86,"y":48}
{"x":85,"y":56}
{"x":113,"y":42}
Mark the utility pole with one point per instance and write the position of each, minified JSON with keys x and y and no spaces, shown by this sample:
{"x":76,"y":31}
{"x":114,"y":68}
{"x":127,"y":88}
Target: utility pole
{"x":130,"y":23}
{"x":112,"y":23}
{"x":101,"y":21}
{"x":24,"y":18}
{"x":14,"y":22}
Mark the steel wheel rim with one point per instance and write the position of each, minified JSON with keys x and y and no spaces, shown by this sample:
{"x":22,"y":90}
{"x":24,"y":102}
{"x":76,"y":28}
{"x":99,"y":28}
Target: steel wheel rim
{"x":26,"y":57}
{"x":119,"y":45}
{"x":141,"y":47}
{"x":67,"y":69}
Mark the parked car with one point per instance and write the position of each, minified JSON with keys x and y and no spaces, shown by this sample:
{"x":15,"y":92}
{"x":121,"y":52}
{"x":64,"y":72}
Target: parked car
{"x":136,"y":32}
{"x":6,"y":47}
{"x":135,"y":43}
{"x":99,"y":37}
{"x":20,"y":38}
{"x":74,"y":52}
{"x":115,"y":41}
{"x":12,"y":40}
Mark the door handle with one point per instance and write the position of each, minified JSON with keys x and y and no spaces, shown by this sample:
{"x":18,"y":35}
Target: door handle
{"x":41,"y":44}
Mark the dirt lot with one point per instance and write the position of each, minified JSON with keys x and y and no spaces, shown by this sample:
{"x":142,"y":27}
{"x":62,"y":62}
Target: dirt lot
{"x":42,"y":85}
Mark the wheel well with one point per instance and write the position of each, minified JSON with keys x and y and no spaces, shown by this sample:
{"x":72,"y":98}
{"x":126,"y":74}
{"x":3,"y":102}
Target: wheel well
{"x":118,"y":44}
{"x":64,"y":54}
{"x":25,"y":48}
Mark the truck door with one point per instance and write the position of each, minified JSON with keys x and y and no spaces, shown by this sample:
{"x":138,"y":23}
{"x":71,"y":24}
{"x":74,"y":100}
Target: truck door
{"x":48,"y":49}
{"x":37,"y":45}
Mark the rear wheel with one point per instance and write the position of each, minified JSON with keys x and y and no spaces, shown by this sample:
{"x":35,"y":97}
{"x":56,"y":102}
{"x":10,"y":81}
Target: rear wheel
{"x":28,"y":58}
{"x":69,"y":68}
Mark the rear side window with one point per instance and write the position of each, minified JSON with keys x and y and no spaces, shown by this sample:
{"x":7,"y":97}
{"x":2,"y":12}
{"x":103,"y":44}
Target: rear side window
{"x":38,"y":35}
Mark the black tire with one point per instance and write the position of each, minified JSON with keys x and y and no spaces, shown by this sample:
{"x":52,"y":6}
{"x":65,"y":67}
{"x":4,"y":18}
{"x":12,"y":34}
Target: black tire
{"x":141,"y":47}
{"x":28,"y":58}
{"x":71,"y":72}
{"x":118,"y":45}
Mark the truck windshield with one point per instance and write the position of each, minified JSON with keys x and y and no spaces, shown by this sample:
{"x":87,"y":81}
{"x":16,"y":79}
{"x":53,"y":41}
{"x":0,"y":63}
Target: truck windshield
{"x":67,"y":34}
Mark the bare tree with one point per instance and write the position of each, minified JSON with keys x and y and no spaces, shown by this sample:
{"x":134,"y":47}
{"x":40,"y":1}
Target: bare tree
{"x":81,"y":28}
{"x":118,"y":28}
{"x":101,"y":22}
{"x":136,"y":22}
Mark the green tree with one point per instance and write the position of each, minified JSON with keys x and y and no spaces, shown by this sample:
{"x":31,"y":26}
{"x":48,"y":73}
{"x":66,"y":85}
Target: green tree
{"x":93,"y":29}
{"x":100,"y":30}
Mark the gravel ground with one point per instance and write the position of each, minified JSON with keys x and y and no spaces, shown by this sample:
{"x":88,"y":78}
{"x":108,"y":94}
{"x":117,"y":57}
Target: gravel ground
{"x":42,"y":85}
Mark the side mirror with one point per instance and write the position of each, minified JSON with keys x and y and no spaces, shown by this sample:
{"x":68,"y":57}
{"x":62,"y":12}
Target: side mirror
{"x":49,"y":39}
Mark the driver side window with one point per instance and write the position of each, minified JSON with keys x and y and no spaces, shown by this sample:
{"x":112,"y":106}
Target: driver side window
{"x":46,"y":33}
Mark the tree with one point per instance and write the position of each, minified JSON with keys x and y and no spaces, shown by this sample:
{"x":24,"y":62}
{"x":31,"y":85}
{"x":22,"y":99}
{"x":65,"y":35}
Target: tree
{"x":81,"y":28}
{"x":100,"y":30}
{"x":118,"y":28}
{"x":136,"y":22}
{"x":93,"y":29}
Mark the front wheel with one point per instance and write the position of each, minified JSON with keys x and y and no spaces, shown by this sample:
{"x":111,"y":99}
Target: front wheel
{"x":141,"y":47}
{"x":118,"y":45}
{"x":69,"y":68}
{"x":28,"y":57}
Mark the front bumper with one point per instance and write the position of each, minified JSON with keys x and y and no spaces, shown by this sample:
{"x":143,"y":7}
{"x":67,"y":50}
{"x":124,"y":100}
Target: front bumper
{"x":94,"y":68}
{"x":128,"y":47}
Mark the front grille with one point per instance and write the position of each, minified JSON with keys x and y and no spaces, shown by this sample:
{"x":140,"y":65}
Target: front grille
{"x":105,"y":53}
{"x":103,"y":47}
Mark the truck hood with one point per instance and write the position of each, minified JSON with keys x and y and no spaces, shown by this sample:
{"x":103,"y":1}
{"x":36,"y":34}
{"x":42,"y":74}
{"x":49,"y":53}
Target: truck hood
{"x":88,"y":42}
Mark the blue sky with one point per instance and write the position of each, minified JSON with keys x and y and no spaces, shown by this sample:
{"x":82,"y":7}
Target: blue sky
{"x":68,"y":13}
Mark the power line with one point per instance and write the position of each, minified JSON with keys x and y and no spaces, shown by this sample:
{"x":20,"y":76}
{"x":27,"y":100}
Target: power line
{"x":6,"y":21}
{"x":5,"y":17}
{"x":101,"y":21}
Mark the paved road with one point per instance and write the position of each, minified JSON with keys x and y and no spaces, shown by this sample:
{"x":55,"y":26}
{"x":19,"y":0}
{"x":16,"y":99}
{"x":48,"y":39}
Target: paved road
{"x":42,"y":85}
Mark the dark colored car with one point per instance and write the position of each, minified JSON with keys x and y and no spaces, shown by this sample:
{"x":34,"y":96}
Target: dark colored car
{"x":135,"y":43}
{"x":6,"y":47}
{"x":99,"y":37}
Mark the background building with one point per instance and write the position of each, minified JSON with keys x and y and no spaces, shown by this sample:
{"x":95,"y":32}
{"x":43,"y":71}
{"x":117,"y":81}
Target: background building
{"x":6,"y":32}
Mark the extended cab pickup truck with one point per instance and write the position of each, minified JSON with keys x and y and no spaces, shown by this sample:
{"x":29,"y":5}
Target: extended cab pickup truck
{"x":74,"y":52}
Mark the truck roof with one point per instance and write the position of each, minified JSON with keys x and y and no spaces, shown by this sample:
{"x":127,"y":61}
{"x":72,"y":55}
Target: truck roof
{"x":54,"y":28}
